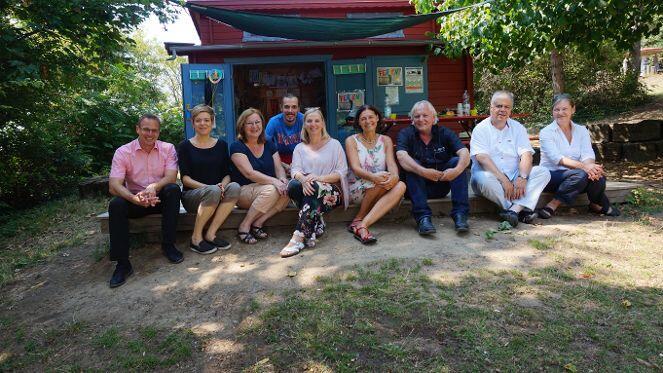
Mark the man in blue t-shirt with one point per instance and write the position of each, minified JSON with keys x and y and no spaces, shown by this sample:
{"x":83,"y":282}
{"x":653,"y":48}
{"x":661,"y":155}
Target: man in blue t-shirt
{"x":285,"y":129}
{"x":434,"y":160}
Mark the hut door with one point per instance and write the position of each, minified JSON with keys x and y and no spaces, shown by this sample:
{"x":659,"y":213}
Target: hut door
{"x":351,"y":89}
{"x":207,"y":84}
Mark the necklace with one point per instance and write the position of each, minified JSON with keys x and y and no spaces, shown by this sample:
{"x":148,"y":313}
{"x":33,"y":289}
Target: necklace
{"x":367,"y":141}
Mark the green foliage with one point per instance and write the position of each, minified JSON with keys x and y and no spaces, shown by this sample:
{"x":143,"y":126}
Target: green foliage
{"x":646,"y":200}
{"x":594,"y":80}
{"x":507,"y":33}
{"x":73,"y":85}
{"x":504,"y":226}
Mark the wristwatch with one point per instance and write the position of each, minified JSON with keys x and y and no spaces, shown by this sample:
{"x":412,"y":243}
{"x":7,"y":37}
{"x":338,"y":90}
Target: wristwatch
{"x":524,"y":177}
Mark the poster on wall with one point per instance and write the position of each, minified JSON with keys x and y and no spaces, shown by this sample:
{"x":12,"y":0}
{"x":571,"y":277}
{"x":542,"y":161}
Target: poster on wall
{"x":390,"y":76}
{"x":414,"y":80}
{"x":392,"y":95}
{"x":348,"y":100}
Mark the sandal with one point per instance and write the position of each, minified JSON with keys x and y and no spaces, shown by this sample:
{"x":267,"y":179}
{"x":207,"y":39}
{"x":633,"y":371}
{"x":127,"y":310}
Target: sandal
{"x":546,"y":212}
{"x":246,"y":237}
{"x":259,"y":232}
{"x":293,"y":248}
{"x":366,"y":239}
{"x":353,"y":224}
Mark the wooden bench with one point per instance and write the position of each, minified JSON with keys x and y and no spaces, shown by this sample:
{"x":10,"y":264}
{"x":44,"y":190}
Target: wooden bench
{"x":616,"y":191}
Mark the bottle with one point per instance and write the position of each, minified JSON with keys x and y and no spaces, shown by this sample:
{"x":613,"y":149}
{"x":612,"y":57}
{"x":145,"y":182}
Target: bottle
{"x":466,"y":103}
{"x":387,"y":108}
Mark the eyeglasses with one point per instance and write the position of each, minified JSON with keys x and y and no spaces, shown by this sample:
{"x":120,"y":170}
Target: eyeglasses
{"x":258,"y":122}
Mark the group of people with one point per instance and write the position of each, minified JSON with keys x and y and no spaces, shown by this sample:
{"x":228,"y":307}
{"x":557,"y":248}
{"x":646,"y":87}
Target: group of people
{"x":293,"y":158}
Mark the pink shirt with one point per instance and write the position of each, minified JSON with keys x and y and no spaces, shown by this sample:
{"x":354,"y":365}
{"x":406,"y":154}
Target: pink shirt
{"x":139,"y":168}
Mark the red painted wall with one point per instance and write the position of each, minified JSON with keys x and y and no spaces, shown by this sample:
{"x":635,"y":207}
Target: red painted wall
{"x":213,"y":32}
{"x":447,"y":79}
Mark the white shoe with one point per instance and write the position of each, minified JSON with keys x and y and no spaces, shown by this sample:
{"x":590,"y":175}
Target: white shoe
{"x":293,"y":248}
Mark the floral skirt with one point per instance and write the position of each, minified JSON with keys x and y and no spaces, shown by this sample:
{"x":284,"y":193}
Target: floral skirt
{"x":325,"y":198}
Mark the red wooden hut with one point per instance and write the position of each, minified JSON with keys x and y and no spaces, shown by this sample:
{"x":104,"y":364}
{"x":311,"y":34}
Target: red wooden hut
{"x":397,"y":68}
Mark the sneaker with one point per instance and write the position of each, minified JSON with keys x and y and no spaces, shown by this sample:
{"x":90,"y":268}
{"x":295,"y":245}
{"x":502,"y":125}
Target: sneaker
{"x":510,"y":216}
{"x":174,"y":256}
{"x":122,"y":271}
{"x":220,"y":243}
{"x":203,"y":247}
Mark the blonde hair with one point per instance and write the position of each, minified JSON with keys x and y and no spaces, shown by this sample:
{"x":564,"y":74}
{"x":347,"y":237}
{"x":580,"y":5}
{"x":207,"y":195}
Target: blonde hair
{"x":304,"y":134}
{"x":199,"y":109}
{"x":241,"y":123}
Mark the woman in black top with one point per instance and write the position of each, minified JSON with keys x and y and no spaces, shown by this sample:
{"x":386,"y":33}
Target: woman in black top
{"x":205,"y":172}
{"x":259,"y":171}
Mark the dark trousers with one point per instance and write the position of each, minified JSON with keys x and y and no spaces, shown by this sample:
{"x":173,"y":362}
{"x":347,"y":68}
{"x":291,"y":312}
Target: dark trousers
{"x":567,"y":184}
{"x":311,"y":208}
{"x":420,"y":189}
{"x":120,"y":211}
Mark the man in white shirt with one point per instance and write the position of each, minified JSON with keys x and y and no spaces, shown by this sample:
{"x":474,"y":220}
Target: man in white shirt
{"x":502,"y":168}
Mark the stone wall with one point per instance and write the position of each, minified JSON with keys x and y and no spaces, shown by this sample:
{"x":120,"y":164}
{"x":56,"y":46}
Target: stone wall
{"x":636,"y":141}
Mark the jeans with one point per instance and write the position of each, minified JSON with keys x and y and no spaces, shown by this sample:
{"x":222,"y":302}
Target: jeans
{"x":120,"y":210}
{"x":420,"y":189}
{"x":567,"y":184}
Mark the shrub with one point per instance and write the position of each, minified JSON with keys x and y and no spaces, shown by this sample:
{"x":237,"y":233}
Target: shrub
{"x":595,"y":81}
{"x":37,"y":163}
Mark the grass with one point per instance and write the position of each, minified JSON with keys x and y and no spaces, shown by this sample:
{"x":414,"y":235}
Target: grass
{"x":393,"y":317}
{"x":69,"y":347}
{"x":32,"y":236}
{"x":546,"y":243}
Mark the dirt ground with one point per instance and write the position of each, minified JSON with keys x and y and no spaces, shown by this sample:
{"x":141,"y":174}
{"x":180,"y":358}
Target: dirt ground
{"x":209,"y":294}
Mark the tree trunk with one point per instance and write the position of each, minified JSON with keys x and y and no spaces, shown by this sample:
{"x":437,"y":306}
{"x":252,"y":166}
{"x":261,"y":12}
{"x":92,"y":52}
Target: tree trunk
{"x":557,"y":71}
{"x":635,"y":59}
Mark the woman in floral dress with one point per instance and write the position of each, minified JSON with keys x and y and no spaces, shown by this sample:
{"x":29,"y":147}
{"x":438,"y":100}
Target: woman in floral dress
{"x":318,"y":181}
{"x":374,"y":182}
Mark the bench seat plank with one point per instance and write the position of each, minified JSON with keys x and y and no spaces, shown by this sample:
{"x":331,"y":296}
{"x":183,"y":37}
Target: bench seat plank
{"x":616,"y":191}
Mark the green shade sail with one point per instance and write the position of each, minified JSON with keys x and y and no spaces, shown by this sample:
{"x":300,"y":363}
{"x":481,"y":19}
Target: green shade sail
{"x":316,"y":29}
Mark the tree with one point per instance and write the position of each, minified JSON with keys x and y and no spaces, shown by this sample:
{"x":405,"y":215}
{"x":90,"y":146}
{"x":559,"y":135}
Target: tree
{"x":68,"y":91}
{"x":513,"y":32}
{"x":50,"y":44}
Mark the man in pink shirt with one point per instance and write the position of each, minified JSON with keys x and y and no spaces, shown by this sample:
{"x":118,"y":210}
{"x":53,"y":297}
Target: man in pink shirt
{"x":142,"y":179}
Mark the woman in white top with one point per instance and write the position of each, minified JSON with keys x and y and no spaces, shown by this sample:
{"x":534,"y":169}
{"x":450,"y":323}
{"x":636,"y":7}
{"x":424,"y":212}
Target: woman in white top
{"x":318,"y":182}
{"x":566,"y":150}
{"x":373,"y":179}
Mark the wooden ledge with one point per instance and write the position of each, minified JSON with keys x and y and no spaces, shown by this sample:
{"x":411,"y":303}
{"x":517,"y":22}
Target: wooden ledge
{"x":616,"y":191}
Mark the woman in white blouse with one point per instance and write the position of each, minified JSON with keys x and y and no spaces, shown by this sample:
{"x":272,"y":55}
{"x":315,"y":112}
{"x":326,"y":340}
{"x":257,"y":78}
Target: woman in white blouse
{"x":566,"y":150}
{"x":318,"y":181}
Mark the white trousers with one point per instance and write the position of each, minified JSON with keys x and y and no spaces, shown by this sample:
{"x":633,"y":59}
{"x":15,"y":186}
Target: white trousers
{"x":484,"y":183}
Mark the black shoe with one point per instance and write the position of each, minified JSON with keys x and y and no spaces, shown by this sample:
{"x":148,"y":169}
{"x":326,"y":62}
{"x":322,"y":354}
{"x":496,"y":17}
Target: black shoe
{"x":220,"y":243}
{"x":121,"y":273}
{"x":203,"y":247}
{"x":425,"y":226}
{"x":510,"y":216}
{"x":527,"y":216}
{"x":173,"y":255}
{"x":460,"y":223}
